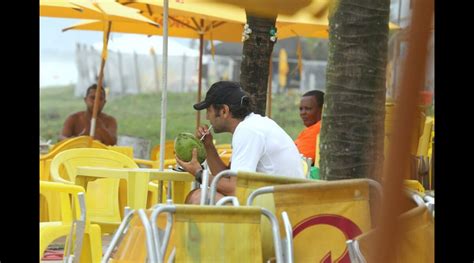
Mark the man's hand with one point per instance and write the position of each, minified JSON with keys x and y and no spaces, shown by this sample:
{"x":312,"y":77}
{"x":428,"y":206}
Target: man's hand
{"x":200,"y":131}
{"x":85,"y":131}
{"x":192,"y":166}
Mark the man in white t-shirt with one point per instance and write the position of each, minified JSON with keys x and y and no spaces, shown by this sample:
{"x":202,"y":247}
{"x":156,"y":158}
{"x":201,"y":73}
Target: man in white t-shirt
{"x":258,"y":143}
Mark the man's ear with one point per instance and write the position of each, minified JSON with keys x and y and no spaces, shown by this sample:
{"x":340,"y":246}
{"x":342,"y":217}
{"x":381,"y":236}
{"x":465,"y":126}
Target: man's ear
{"x":225,"y":110}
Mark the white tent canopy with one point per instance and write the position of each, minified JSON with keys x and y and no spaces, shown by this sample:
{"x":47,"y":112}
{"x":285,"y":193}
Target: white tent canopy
{"x":142,"y":45}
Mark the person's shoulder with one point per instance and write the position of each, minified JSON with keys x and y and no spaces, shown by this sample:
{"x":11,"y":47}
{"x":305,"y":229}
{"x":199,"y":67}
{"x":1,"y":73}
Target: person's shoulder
{"x":108,"y":117}
{"x":255,"y":118}
{"x":315,"y":126}
{"x":75,"y":115}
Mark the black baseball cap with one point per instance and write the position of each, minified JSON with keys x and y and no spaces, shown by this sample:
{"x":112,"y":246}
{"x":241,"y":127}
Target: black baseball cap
{"x":222,"y":92}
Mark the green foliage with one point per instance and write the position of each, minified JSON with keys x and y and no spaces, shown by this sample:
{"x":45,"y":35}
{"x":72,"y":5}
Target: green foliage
{"x":140,"y":115}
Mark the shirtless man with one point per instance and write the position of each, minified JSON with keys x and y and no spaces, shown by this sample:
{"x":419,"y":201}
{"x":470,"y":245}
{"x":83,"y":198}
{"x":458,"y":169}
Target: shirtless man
{"x":78,"y":124}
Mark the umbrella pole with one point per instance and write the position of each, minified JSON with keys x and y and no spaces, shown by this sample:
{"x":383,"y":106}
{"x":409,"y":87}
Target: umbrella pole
{"x":164,"y":100}
{"x":269,"y":90}
{"x":387,"y":239}
{"x":98,"y":92}
{"x":201,"y":46}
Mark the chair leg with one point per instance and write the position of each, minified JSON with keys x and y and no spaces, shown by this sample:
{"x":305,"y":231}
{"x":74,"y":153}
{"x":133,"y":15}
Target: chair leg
{"x":92,"y":247}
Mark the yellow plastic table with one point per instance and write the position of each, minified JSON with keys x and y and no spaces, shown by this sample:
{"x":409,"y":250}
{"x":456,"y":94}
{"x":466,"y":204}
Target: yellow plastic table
{"x":137,"y":180}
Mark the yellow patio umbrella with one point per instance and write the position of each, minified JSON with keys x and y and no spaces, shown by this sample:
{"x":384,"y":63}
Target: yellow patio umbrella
{"x":87,"y":9}
{"x":270,"y":7}
{"x":282,"y":68}
{"x":55,"y":8}
{"x":191,"y":19}
{"x":210,"y":21}
{"x":305,"y":24}
{"x":311,"y":21}
{"x":186,"y":24}
{"x":104,"y":10}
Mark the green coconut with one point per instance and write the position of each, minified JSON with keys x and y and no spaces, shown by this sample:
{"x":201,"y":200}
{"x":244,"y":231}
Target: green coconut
{"x":184,"y":144}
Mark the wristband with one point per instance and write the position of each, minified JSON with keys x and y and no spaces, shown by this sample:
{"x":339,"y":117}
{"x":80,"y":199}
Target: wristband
{"x":198,"y":176}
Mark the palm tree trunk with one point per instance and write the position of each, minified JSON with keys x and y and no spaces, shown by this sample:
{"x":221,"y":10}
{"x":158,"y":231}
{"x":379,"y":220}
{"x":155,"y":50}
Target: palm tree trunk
{"x":256,"y":58}
{"x":352,"y":130}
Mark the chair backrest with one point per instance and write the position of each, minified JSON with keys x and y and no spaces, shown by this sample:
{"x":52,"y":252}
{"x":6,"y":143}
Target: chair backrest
{"x":73,"y":158}
{"x":66,"y":194}
{"x":104,"y":203}
{"x":425,"y":138}
{"x":216,"y":233}
{"x":414,"y":185}
{"x":45,"y":175}
{"x":45,"y":160}
{"x":225,"y":152}
{"x":390,"y":121}
{"x":74,"y":142}
{"x":416,"y":243}
{"x":247,"y":182}
{"x":130,"y":245}
{"x":98,"y":144}
{"x":169,"y":151}
{"x":316,"y":162}
{"x":324,"y":215}
{"x":127,"y":150}
{"x":224,"y":146}
{"x":74,"y":224}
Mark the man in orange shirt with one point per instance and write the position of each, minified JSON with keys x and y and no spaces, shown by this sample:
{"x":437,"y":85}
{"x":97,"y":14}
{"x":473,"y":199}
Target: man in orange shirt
{"x":311,"y":106}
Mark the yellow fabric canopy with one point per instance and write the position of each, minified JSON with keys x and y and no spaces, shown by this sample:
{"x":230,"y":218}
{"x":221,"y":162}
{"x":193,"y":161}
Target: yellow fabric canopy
{"x":268,"y":7}
{"x":84,"y":9}
{"x":64,"y":9}
{"x":104,"y":10}
{"x":214,"y":21}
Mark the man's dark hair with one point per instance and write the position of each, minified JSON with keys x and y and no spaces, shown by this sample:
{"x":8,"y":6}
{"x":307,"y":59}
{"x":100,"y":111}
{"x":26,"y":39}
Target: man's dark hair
{"x":239,"y":111}
{"x":94,"y":86}
{"x":318,"y":95}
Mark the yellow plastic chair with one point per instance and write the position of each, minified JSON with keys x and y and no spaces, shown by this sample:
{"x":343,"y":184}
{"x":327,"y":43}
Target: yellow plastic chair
{"x":45,"y":163}
{"x":323,"y":215}
{"x":425,"y":138}
{"x":316,"y":162}
{"x":169,"y":151}
{"x":127,"y":150}
{"x":129,"y":243}
{"x":416,"y":244}
{"x":45,"y":160}
{"x":178,"y":194}
{"x":422,"y":166}
{"x":306,"y":167}
{"x":248,"y":182}
{"x":50,"y":231}
{"x":389,"y":122}
{"x":105,"y":203}
{"x":169,"y":161}
{"x":71,"y":142}
{"x":414,"y":185}
{"x":180,"y":189}
{"x":431,"y":158}
{"x":49,"y":206}
{"x":213,"y":234}
{"x":224,"y":146}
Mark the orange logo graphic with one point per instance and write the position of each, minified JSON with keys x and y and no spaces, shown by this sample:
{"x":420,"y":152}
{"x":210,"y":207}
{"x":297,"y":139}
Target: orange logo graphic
{"x":345,"y":225}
